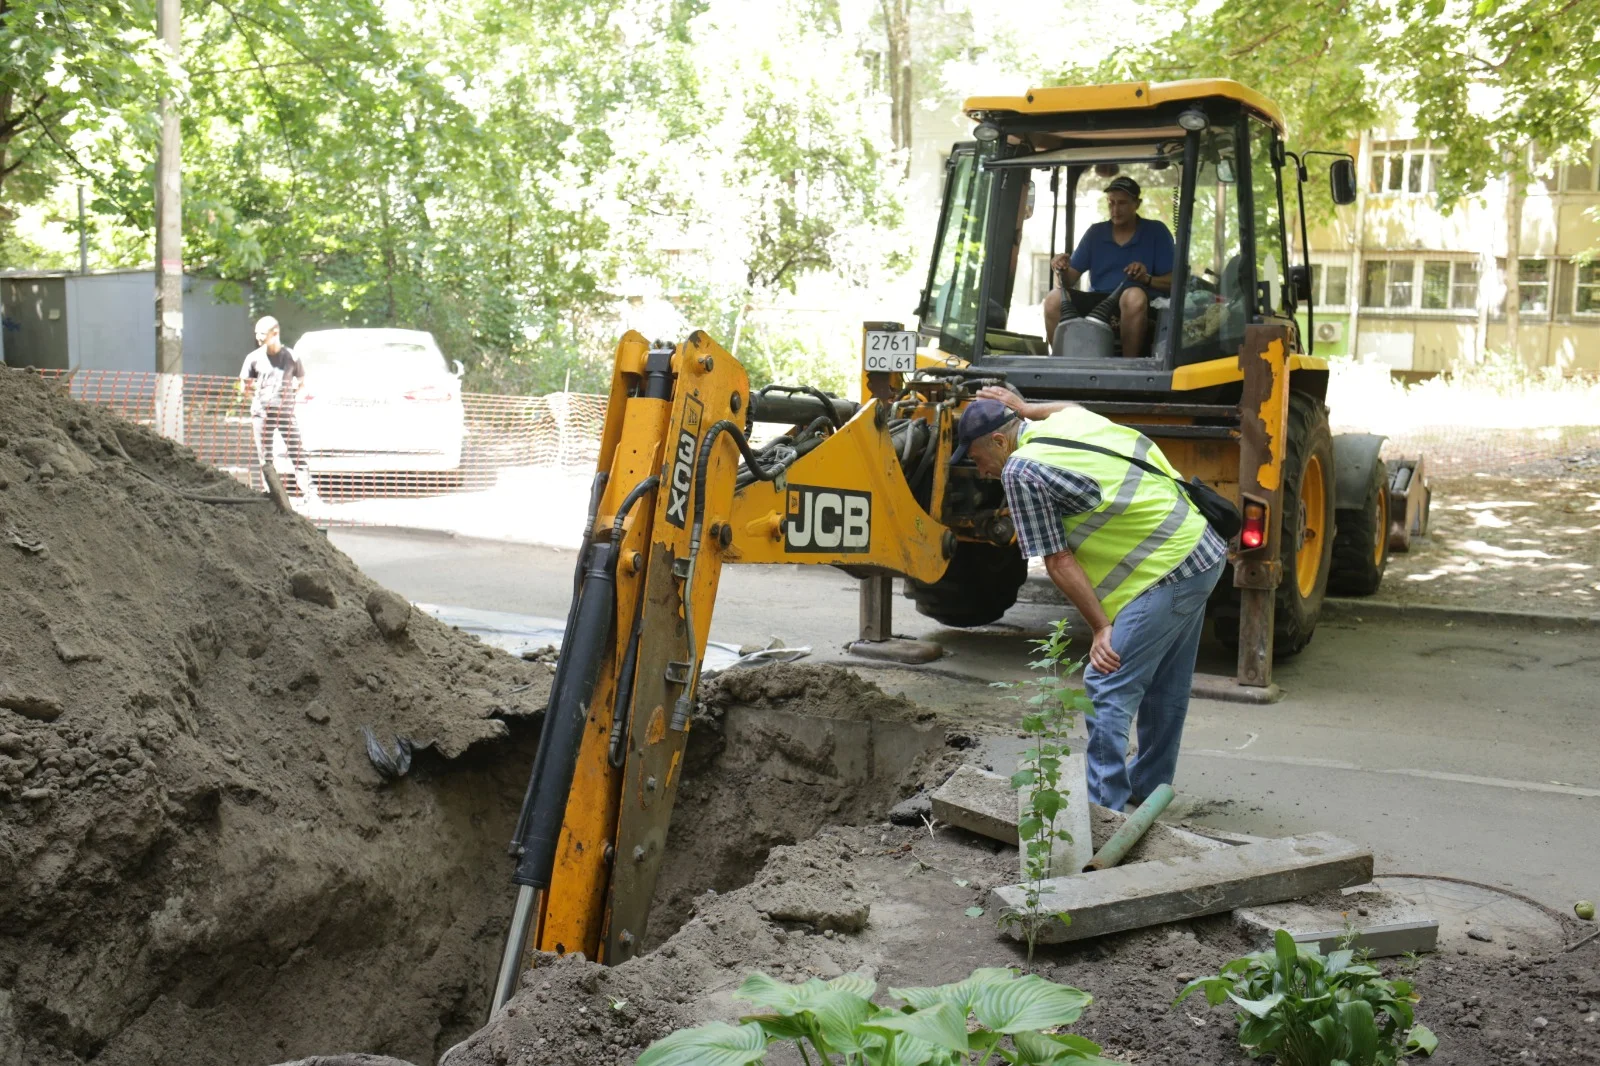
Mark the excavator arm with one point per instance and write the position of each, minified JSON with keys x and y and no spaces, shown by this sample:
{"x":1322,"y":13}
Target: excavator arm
{"x":679,"y":491}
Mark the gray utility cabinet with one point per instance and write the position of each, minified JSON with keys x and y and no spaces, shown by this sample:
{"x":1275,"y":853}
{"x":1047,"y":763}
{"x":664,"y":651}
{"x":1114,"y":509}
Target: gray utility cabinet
{"x":58,"y":321}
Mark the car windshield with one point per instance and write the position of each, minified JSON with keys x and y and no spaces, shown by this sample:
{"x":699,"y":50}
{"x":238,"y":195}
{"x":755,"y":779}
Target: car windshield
{"x":390,"y":357}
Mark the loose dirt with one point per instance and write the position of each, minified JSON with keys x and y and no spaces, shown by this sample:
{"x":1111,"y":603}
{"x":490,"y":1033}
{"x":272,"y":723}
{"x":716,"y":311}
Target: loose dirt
{"x":1518,"y":544}
{"x":199,"y":863}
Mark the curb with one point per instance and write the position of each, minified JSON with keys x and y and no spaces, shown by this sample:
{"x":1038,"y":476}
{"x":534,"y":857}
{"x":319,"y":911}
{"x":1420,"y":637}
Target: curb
{"x":1342,"y":607}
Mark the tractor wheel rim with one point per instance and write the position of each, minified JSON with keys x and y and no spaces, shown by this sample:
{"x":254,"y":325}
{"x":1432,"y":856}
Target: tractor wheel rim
{"x":1314,"y":514}
{"x":1381,"y":541}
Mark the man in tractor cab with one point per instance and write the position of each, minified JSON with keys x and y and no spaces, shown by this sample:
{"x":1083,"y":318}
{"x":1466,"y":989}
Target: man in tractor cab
{"x":1124,"y":249}
{"x":1127,"y":549}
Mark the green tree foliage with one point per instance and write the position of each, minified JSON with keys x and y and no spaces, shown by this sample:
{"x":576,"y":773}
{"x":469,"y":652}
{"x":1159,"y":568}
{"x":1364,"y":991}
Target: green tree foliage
{"x":75,"y":75}
{"x":1313,"y":58}
{"x":496,"y":171}
{"x":1492,"y":78}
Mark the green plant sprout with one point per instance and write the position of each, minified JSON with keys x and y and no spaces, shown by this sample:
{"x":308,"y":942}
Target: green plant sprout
{"x":992,"y":1016}
{"x":1052,"y":712}
{"x":1307,"y":1009}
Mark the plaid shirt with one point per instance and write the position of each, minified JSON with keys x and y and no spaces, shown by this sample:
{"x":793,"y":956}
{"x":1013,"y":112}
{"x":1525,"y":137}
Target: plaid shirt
{"x":1041,"y":495}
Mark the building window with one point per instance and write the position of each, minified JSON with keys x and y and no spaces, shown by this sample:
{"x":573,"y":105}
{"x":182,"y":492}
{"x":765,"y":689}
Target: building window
{"x":1586,"y":300}
{"x":1330,"y":284}
{"x":1448,"y":285}
{"x":1404,"y":168}
{"x":1533,"y":285}
{"x":1583,"y":174}
{"x":1389,"y":283}
{"x":1042,"y":282}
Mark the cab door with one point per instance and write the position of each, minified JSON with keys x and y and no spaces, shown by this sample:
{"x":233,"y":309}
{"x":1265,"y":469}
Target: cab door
{"x":947,"y":312}
{"x":1271,"y":301}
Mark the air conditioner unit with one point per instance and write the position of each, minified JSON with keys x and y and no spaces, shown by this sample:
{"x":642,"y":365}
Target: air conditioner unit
{"x":1330,"y":332}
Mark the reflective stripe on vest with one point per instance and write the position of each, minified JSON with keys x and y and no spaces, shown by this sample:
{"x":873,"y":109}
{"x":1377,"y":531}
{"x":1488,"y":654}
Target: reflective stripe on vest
{"x":1144,"y":525}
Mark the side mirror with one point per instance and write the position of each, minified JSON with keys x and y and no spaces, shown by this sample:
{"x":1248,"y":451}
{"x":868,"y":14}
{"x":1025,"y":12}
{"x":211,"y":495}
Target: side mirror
{"x":1300,"y":282}
{"x":460,"y":370}
{"x":1225,"y":172}
{"x":1342,"y":181}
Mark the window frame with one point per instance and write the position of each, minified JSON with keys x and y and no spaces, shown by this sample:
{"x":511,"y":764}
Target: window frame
{"x":1416,"y":156}
{"x":1319,"y":284}
{"x":1578,"y":285}
{"x":1418,"y":266}
{"x":1549,"y":285}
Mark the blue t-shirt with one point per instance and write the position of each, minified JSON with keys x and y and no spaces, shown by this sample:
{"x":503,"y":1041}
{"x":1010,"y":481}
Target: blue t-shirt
{"x":1105,"y":259}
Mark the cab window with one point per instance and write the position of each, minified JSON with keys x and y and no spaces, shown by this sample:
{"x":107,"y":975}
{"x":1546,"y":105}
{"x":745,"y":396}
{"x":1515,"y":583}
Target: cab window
{"x":1216,"y":306}
{"x":1266,"y":202}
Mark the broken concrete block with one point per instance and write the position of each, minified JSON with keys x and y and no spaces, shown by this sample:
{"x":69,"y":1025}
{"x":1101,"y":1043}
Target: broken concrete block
{"x":390,"y":612}
{"x":1067,"y":857}
{"x":1141,"y":894}
{"x":985,"y":803}
{"x":978,"y":801}
{"x":1391,"y":927}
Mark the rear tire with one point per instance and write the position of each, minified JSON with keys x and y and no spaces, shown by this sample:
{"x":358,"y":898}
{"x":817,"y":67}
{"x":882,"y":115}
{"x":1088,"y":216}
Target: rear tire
{"x":1361,"y":539}
{"x":978,"y":588}
{"x":1305,"y":541}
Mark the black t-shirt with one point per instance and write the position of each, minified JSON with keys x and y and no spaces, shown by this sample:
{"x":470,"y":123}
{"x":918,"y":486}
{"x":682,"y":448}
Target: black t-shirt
{"x":273,"y":371}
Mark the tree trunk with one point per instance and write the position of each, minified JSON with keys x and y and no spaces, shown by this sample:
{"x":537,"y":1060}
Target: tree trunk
{"x":1513,"y":274}
{"x":897,"y":29}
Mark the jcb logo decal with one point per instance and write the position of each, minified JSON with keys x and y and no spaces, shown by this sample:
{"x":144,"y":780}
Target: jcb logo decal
{"x":827,"y":520}
{"x":683,"y":464}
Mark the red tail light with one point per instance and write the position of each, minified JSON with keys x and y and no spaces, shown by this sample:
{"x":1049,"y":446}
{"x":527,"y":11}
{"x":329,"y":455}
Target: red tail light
{"x":431,"y":394}
{"x":1253,"y":534}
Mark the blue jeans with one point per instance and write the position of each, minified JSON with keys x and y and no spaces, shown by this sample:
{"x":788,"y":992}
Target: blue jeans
{"x":1157,"y":637}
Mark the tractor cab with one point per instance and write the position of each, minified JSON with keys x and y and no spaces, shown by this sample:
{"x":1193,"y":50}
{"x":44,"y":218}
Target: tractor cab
{"x":1208,"y":161}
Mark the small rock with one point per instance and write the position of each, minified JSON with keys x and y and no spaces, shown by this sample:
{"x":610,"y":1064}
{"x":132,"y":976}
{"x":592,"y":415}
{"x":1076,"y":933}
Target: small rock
{"x":1480,"y":936}
{"x":317,"y":713}
{"x":35,"y":705}
{"x":12,"y":743}
{"x":1362,"y":911}
{"x":911,"y":811}
{"x":34,"y":795}
{"x":1540,"y":1023}
{"x":1184,"y":977}
{"x":314,"y":586}
{"x":390,"y":612}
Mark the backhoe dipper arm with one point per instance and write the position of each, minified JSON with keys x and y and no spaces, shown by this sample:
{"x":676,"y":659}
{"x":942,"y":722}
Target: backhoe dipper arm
{"x":669,"y":513}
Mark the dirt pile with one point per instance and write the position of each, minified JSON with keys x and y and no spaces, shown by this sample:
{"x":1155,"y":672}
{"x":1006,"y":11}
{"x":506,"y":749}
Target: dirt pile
{"x":199,"y":861}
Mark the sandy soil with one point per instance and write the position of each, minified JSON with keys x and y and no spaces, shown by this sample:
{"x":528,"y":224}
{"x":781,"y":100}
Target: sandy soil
{"x":1522,"y":544}
{"x":199,"y":863}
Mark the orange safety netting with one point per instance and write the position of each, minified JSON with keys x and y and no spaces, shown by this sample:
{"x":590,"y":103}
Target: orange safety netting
{"x":510,"y":464}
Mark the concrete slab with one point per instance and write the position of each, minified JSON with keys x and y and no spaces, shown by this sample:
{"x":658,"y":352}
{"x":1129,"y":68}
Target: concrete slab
{"x":979,"y":802}
{"x":898,"y":650}
{"x":983,"y":802}
{"x":1141,"y":894}
{"x":1067,"y":857}
{"x":1382,"y":923}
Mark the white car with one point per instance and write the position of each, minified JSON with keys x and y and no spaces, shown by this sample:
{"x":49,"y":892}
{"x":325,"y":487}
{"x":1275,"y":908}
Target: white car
{"x":379,"y":400}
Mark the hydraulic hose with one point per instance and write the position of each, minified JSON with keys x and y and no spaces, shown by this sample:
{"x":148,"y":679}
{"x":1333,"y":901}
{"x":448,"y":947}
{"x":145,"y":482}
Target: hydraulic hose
{"x":622,"y":702}
{"x":684,"y":707}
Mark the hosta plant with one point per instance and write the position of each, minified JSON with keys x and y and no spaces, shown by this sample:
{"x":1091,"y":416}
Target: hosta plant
{"x":993,"y":1016}
{"x":1307,"y":1009}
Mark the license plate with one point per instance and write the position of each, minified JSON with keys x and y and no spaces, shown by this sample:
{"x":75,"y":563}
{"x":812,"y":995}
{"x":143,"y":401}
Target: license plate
{"x":890,"y":351}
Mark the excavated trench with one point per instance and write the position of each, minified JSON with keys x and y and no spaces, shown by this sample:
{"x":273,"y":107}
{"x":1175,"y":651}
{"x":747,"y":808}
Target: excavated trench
{"x":200,"y":860}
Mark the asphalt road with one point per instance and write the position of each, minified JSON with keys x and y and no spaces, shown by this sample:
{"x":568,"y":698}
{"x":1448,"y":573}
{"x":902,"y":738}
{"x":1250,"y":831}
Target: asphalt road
{"x":1448,"y":748}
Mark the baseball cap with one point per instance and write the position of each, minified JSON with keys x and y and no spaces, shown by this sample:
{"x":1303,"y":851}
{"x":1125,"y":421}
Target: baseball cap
{"x":979,"y":419}
{"x":1123,"y":183}
{"x":265,"y":325}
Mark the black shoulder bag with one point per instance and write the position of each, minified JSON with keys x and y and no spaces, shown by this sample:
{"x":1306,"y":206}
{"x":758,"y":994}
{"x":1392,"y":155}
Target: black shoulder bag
{"x":1219,"y":511}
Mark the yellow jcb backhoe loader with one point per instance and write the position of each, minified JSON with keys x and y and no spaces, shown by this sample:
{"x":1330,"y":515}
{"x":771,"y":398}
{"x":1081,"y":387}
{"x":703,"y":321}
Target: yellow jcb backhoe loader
{"x":1224,"y":385}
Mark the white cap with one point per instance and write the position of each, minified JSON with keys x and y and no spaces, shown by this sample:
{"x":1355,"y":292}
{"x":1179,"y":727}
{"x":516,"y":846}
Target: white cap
{"x":265,"y":325}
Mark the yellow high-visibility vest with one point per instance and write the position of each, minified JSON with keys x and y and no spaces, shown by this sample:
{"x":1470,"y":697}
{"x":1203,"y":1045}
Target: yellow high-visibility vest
{"x":1144,"y":526}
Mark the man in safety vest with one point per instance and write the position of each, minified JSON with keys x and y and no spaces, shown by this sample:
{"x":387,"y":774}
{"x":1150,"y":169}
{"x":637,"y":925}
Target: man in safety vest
{"x":1127,"y":549}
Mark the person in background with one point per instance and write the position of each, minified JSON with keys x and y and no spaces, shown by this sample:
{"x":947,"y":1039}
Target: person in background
{"x":1124,"y":248}
{"x":279,"y":377}
{"x":1127,"y":549}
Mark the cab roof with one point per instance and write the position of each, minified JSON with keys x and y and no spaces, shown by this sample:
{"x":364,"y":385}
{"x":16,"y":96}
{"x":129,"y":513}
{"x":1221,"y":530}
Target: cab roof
{"x":1124,"y":97}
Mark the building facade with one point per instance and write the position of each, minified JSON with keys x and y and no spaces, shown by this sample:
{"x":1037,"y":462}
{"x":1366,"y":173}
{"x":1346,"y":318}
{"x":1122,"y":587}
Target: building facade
{"x":1401,"y":282}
